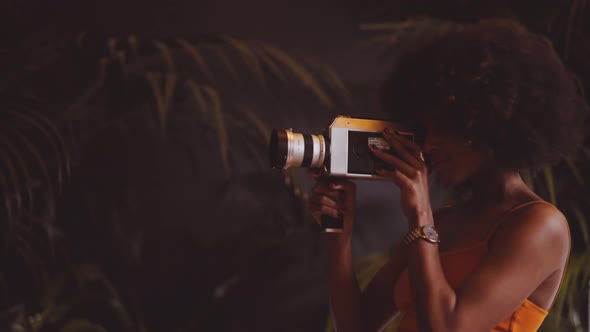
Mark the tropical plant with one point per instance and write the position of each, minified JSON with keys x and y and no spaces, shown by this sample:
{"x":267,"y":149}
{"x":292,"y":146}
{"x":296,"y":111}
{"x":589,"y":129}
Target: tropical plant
{"x":98,"y":99}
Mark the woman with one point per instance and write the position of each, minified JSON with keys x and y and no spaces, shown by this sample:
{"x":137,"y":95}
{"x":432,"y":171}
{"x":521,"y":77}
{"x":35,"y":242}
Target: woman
{"x":487,"y":101}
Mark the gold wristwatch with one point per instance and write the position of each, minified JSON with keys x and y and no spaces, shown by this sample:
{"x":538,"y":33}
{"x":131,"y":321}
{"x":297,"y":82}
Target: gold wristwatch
{"x":427,"y":232}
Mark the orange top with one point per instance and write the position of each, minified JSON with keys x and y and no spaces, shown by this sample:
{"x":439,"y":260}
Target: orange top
{"x":457,"y":265}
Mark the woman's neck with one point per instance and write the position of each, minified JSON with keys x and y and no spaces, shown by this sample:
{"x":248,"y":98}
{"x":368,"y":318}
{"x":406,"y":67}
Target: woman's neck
{"x":496,"y":185}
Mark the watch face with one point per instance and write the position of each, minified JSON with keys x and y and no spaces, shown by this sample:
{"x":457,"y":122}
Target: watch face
{"x":430,"y":233}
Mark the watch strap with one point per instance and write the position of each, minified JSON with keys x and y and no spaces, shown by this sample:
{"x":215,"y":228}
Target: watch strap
{"x":418,"y":233}
{"x":412,"y":236}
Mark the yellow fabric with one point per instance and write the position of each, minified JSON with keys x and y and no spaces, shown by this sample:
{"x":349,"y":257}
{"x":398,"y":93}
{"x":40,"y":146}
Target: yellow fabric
{"x":457,"y":265}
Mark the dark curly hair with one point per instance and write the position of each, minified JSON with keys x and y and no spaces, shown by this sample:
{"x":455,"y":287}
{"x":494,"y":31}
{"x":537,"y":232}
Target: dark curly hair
{"x":496,"y":84}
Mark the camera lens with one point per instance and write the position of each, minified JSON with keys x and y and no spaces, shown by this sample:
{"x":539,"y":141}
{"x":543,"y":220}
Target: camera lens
{"x":288,"y":149}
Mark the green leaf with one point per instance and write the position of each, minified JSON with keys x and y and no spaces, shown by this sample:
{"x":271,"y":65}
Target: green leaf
{"x":166,"y":55}
{"x":300,"y":72}
{"x":163,"y":98}
{"x":112,"y":46}
{"x":53,"y":137}
{"x":34,"y":151}
{"x":196,"y":55}
{"x":14,"y":168}
{"x":92,"y":90}
{"x":256,"y":122}
{"x":574,"y":169}
{"x":133,"y":46}
{"x":269,"y":62}
{"x":209,"y":105}
{"x":550,"y":182}
{"x":225,"y":60}
{"x":528,"y":179}
{"x":582,"y":223}
{"x":78,"y":325}
{"x":219,"y":126}
{"x":202,"y":104}
{"x":248,"y":56}
{"x":6,"y":193}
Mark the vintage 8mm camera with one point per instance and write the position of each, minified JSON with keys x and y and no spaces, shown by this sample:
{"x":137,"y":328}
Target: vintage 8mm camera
{"x":341,"y":151}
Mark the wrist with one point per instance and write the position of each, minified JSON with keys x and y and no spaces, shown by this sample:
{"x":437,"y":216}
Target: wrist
{"x":420,"y":217}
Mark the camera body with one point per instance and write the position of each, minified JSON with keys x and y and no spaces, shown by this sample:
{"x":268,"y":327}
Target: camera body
{"x":350,"y":138}
{"x":341,"y":151}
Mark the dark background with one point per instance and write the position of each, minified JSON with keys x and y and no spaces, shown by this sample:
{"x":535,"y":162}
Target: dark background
{"x":149,"y":231}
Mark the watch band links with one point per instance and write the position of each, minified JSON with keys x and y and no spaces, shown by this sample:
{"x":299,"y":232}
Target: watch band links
{"x":412,"y":236}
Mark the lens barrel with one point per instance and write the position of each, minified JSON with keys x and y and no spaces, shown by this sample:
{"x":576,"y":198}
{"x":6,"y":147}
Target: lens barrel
{"x":288,"y":149}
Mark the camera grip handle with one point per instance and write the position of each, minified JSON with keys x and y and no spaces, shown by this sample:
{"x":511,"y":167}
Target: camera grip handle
{"x":330,"y":224}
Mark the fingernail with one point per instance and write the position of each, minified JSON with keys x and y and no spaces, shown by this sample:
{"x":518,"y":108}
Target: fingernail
{"x":387,"y":132}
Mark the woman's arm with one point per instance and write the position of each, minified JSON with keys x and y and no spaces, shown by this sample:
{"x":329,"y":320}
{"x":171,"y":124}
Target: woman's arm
{"x":352,"y":310}
{"x":345,"y":295}
{"x":532,"y":245}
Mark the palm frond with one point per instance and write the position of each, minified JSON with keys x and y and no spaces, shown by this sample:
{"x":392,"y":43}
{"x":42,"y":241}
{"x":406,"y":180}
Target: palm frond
{"x":80,"y":325}
{"x":166,"y":55}
{"x":255,"y":122}
{"x":550,"y":183}
{"x":163,"y":94}
{"x":196,"y":56}
{"x":209,"y":105}
{"x":221,"y":54}
{"x":249,"y":57}
{"x":18,"y":172}
{"x":52,"y":136}
{"x":300,"y":72}
{"x":219,"y":125}
{"x":34,"y":151}
{"x":581,"y":222}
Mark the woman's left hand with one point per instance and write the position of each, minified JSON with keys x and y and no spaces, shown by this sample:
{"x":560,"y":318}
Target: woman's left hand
{"x":410,"y":173}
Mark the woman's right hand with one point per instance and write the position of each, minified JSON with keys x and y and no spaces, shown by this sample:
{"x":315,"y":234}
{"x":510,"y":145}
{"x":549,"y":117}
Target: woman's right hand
{"x":334,"y":197}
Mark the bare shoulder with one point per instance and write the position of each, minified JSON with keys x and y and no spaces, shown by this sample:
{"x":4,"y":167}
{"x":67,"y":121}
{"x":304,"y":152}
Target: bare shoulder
{"x":538,"y":225}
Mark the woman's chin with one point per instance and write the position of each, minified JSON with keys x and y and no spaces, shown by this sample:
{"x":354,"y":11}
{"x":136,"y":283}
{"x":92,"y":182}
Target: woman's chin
{"x":446,"y":180}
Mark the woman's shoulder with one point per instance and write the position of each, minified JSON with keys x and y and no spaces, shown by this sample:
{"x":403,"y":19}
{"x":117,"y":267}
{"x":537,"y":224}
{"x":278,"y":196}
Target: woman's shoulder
{"x":532,"y":221}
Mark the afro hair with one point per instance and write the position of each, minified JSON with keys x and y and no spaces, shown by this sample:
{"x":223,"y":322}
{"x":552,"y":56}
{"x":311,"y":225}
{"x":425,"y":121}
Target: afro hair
{"x":496,"y":84}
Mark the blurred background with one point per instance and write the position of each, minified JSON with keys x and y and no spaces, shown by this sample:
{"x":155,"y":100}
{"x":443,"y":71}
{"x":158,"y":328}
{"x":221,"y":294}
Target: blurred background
{"x":136,"y":192}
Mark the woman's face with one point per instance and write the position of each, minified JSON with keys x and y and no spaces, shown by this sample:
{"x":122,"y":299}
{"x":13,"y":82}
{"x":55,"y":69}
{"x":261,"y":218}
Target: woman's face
{"x":453,"y":159}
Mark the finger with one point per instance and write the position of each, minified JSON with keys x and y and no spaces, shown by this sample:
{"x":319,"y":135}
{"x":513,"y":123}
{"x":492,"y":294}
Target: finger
{"x":329,"y":211}
{"x":401,"y":149}
{"x":341,"y":184}
{"x":329,"y":201}
{"x":330,"y":198}
{"x":315,"y":172}
{"x":335,"y":195}
{"x":407,"y":142}
{"x":395,"y":176}
{"x":394,"y":161}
